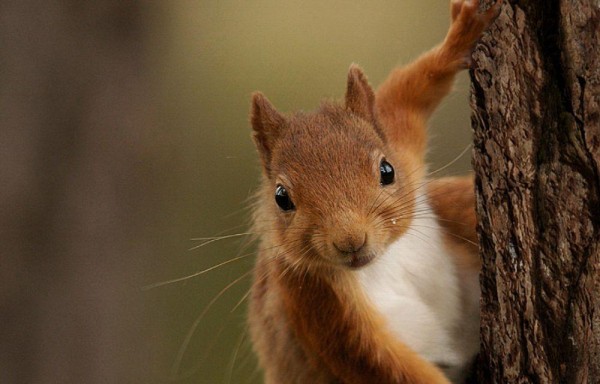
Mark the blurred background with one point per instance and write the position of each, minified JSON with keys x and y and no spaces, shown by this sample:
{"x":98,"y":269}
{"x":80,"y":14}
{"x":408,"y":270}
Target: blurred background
{"x":124,"y":134}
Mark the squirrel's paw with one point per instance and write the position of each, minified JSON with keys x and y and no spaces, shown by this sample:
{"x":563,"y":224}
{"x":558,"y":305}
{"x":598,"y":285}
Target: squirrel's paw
{"x":467,"y":26}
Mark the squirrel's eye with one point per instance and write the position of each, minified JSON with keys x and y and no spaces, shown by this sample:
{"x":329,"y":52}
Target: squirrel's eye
{"x":387,"y":172}
{"x":283,"y":199}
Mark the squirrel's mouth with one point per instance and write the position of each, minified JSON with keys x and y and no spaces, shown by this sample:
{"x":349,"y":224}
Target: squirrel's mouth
{"x":359,"y":259}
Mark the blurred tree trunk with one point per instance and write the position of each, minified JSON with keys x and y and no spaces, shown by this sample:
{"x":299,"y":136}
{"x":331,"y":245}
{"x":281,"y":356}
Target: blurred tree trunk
{"x":536,"y":102}
{"x":73,"y":117}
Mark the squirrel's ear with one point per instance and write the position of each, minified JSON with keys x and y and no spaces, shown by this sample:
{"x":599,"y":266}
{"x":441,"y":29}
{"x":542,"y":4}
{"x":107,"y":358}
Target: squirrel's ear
{"x":360,"y":98}
{"x":266,"y":125}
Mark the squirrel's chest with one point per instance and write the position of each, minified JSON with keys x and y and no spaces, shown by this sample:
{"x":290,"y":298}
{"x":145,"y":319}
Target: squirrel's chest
{"x":416,"y":288}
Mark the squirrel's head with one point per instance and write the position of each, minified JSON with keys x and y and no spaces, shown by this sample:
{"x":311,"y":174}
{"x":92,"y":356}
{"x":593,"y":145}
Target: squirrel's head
{"x":334,"y":192}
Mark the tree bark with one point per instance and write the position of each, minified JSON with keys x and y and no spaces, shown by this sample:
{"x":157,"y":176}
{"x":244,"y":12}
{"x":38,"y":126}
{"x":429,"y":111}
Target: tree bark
{"x":536,"y":110}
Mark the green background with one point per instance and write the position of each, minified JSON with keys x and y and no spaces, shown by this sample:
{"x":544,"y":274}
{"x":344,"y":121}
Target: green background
{"x":211,"y":56}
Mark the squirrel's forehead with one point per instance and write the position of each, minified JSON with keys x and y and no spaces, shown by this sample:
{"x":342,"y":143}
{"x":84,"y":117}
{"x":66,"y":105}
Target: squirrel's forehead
{"x":327,"y":160}
{"x":327,"y":149}
{"x":326,"y":138}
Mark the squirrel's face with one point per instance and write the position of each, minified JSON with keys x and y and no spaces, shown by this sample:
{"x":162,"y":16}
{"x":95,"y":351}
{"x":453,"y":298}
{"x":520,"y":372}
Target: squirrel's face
{"x":337,"y":194}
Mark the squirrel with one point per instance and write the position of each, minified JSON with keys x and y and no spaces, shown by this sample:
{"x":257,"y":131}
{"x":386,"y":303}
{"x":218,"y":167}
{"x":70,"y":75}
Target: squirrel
{"x":367,"y":270}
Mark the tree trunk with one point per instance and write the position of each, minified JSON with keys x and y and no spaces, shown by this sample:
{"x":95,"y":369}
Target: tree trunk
{"x":73,"y":200}
{"x":535,"y":97}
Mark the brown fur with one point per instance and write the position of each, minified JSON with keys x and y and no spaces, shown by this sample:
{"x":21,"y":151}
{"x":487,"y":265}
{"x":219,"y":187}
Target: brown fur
{"x":309,"y":320}
{"x":449,"y":196}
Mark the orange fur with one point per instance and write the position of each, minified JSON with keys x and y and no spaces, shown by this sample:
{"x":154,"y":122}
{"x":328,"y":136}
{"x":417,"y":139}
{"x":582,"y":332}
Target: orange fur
{"x":309,"y":320}
{"x":411,"y":93}
{"x":453,"y":201}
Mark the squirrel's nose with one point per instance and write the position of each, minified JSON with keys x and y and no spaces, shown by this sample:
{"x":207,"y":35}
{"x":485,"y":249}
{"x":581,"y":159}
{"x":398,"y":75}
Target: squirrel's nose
{"x":350,"y":243}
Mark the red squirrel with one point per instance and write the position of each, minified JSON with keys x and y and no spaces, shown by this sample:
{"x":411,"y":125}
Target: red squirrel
{"x":367,"y":270}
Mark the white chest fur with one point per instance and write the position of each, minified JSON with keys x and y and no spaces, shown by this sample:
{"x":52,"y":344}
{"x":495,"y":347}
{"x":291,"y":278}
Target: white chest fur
{"x":415,"y":285}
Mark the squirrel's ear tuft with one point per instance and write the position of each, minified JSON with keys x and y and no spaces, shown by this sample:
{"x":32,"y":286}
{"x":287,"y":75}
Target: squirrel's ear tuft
{"x":360,"y":98}
{"x":266,"y":125}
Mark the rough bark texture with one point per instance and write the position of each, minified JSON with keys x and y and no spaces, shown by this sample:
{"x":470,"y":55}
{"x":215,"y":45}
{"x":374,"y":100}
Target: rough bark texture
{"x":72,"y":120}
{"x":535,"y":96}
